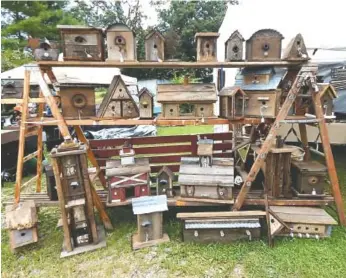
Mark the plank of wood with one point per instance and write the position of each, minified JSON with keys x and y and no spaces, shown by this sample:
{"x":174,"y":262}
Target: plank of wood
{"x":306,"y":219}
{"x":203,"y":180}
{"x":209,"y":201}
{"x":216,"y":161}
{"x":299,"y":210}
{"x":136,"y":244}
{"x":30,"y":156}
{"x":21,"y":100}
{"x":114,"y":167}
{"x":188,"y":169}
{"x":221,"y":214}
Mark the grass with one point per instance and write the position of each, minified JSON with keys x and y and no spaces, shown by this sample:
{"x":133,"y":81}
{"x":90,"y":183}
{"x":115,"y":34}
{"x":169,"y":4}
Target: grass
{"x":289,"y":257}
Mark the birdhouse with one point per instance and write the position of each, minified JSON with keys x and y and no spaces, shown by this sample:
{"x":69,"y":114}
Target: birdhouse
{"x":12,"y":88}
{"x":327,"y":95}
{"x":45,"y":52}
{"x":127,"y":155}
{"x":264,"y":45}
{"x":146,"y":104}
{"x":154,"y":47}
{"x":296,"y":49}
{"x":234,"y":47}
{"x":121,"y":43}
{"x":206,"y":46}
{"x":165,"y":182}
{"x":149,"y":211}
{"x":233,"y":102}
{"x":205,"y":151}
{"x":77,"y":101}
{"x":82,"y":43}
{"x":186,"y":101}
{"x":118,"y":102}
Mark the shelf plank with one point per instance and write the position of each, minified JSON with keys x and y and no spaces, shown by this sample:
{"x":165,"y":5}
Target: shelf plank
{"x":20,"y":100}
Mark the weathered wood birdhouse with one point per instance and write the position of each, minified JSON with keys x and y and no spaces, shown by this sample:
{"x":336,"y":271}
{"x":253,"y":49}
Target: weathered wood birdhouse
{"x":77,"y":101}
{"x":186,"y":101}
{"x":165,"y":182}
{"x":296,"y":49}
{"x":146,"y":104}
{"x":264,"y":45}
{"x":45,"y":52}
{"x":154,"y":47}
{"x":118,"y":102}
{"x":121,"y":43}
{"x":82,"y":43}
{"x":149,"y":211}
{"x":327,"y":95}
{"x":234,"y":47}
{"x":205,"y":151}
{"x":206,"y":46}
{"x":233,"y":101}
{"x":12,"y":88}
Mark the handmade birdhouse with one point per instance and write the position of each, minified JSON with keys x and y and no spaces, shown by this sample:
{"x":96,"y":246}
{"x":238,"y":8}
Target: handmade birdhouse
{"x":77,"y":101}
{"x":214,"y":182}
{"x":146,"y":104}
{"x":261,"y":88}
{"x":296,"y":49}
{"x":233,"y":102}
{"x":149,"y":211}
{"x":118,"y":102}
{"x":45,"y":52}
{"x":82,"y":43}
{"x":12,"y":88}
{"x":154,"y":47}
{"x":234,"y":47}
{"x":21,"y":221}
{"x":70,"y":167}
{"x":121,"y":43}
{"x":206,"y":46}
{"x":265,"y":45}
{"x":165,"y":182}
{"x":327,"y":94}
{"x":205,"y":151}
{"x":187,"y":101}
{"x":127,"y":155}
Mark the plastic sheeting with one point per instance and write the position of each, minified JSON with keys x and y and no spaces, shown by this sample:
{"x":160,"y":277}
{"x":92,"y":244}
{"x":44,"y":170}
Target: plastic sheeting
{"x":124,"y":132}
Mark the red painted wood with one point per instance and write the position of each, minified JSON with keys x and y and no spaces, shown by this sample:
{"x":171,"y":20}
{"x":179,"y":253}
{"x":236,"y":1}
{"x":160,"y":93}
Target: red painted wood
{"x":118,"y":194}
{"x":142,"y":190}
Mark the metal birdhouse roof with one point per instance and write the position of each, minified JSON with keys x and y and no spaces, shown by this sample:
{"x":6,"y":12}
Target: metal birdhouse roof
{"x":149,"y":204}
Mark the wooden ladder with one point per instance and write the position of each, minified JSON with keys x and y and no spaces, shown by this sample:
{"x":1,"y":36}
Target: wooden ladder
{"x":306,"y":76}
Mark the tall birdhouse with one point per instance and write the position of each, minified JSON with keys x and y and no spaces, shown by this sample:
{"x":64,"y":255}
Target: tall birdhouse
{"x":205,"y":151}
{"x":82,"y":43}
{"x":234,"y":47}
{"x":296,"y":49}
{"x":146,"y":104}
{"x":233,"y":101}
{"x":206,"y":46}
{"x":165,"y":182}
{"x":121,"y":43}
{"x":118,"y":102}
{"x":264,"y":45}
{"x":154,"y":47}
{"x":327,"y":95}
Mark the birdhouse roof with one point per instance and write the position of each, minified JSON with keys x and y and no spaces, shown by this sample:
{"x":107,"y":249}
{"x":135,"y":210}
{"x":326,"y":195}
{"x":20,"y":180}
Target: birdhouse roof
{"x":167,"y":171}
{"x":326,"y":88}
{"x":119,"y":27}
{"x":207,"y":34}
{"x":78,"y":27}
{"x":144,"y":90}
{"x":234,"y":34}
{"x":154,"y":32}
{"x":258,"y":71}
{"x":271,"y":31}
{"x":149,"y":204}
{"x":231,"y":91}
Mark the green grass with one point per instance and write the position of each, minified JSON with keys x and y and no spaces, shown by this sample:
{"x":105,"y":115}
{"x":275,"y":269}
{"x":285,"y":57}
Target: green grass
{"x":183,"y":130}
{"x":289,"y":258}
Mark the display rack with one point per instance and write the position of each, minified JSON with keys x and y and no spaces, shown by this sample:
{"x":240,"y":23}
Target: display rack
{"x":306,"y":74}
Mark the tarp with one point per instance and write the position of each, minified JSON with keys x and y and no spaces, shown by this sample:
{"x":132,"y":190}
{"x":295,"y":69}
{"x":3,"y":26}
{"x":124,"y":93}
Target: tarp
{"x":123,"y":132}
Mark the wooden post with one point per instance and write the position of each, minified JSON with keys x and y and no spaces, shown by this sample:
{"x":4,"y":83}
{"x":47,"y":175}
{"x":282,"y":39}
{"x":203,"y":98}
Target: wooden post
{"x":329,"y":158}
{"x":304,"y":139}
{"x":99,"y":206}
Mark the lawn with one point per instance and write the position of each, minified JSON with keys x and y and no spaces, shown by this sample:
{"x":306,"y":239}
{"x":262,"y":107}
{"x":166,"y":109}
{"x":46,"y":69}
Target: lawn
{"x":289,"y":257}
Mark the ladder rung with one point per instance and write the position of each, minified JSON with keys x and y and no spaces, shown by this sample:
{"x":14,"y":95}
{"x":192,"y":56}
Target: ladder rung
{"x":20,"y":100}
{"x":30,"y":156}
{"x":29,"y":181}
{"x":300,"y":121}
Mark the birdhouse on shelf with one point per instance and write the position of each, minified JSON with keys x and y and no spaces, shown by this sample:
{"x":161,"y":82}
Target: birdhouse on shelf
{"x":264,"y":45}
{"x":146,"y":104}
{"x":45,"y":52}
{"x":127,"y":155}
{"x":234,"y":47}
{"x":296,"y":49}
{"x":233,"y":101}
{"x":327,"y":95}
{"x":149,"y":211}
{"x":206,"y":46}
{"x":154,"y":47}
{"x":121,"y":43}
{"x":165,"y":182}
{"x":118,"y":102}
{"x":82,"y":43}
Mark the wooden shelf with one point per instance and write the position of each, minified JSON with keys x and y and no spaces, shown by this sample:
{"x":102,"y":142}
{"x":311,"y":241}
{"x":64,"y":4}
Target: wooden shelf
{"x":170,"y":65}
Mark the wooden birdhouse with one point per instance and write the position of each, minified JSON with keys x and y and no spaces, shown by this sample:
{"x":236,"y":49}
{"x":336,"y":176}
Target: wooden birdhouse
{"x":121,"y":43}
{"x":296,"y":49}
{"x":146,"y":104}
{"x":118,"y":102}
{"x":127,"y":155}
{"x":77,"y":101}
{"x":264,"y":45}
{"x":206,"y":46}
{"x":82,"y":43}
{"x":45,"y":52}
{"x":186,"y":101}
{"x":233,"y":102}
{"x":149,"y":210}
{"x":205,"y":151}
{"x":327,"y":95}
{"x":234,"y":47}
{"x":165,"y":182}
{"x":154,"y":47}
{"x":12,"y":88}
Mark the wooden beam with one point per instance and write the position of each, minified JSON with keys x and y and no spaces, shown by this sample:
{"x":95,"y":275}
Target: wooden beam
{"x":101,"y":209}
{"x":30,"y":156}
{"x":304,"y":139}
{"x":289,"y":202}
{"x":39,"y":147}
{"x":20,"y":100}
{"x":28,"y":182}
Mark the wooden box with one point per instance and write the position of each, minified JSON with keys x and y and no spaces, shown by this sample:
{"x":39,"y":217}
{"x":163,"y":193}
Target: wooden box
{"x":165,"y":182}
{"x":263,"y":45}
{"x":12,"y":88}
{"x":77,"y":102}
{"x":154,"y":47}
{"x":82,"y":43}
{"x":23,"y":237}
{"x":146,"y":104}
{"x":308,"y":177}
{"x":206,"y":46}
{"x":214,"y":182}
{"x":233,"y":101}
{"x":121,"y":43}
{"x":234,"y":47}
{"x":262,"y":103}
